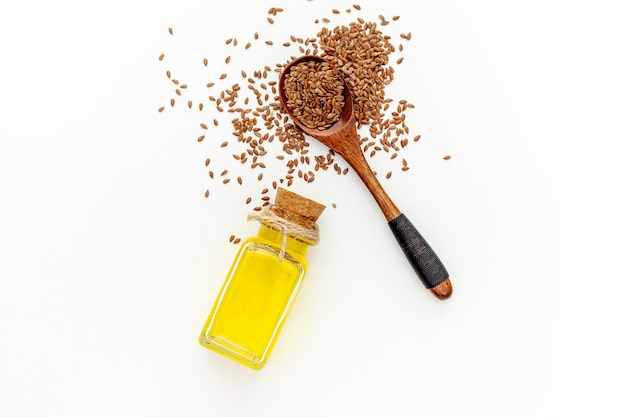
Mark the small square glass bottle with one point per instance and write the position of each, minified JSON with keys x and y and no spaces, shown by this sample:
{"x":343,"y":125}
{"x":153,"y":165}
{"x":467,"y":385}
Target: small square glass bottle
{"x":263,"y":281}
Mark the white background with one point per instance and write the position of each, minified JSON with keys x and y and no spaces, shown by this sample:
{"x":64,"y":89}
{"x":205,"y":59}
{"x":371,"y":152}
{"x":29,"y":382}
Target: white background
{"x":111,"y":257}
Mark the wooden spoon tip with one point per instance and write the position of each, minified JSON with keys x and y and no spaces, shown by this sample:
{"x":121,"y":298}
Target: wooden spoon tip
{"x":442,"y":291}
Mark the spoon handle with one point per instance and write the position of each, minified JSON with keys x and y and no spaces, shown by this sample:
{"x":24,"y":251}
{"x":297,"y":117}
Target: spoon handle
{"x":421,"y":256}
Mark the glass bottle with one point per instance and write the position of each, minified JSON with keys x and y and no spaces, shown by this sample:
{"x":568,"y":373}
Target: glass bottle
{"x":263,"y":281}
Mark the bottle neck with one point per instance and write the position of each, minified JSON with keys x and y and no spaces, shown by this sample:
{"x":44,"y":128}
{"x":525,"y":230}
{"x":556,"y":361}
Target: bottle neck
{"x":294,"y":243}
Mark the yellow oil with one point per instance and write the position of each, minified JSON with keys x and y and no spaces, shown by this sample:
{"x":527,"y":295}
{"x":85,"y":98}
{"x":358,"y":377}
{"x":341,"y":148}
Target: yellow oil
{"x":255,"y":299}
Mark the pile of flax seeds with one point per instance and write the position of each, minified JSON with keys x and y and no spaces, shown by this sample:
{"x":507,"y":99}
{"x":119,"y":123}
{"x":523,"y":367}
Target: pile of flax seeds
{"x":263,"y":132}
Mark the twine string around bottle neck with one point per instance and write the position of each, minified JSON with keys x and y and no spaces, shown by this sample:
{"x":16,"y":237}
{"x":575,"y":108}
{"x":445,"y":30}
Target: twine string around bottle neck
{"x":269,"y":217}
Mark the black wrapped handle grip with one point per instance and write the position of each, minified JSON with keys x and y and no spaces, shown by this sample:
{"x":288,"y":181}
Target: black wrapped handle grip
{"x":422,"y":258}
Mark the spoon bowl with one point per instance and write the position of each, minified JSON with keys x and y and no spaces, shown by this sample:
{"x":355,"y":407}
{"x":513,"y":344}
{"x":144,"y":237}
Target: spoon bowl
{"x":342,"y":137}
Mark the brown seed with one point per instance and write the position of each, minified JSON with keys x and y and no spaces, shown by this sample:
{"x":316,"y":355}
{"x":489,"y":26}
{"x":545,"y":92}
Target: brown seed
{"x":224,"y":75}
{"x":248,"y":200}
{"x":207,"y":162}
{"x":172,"y":102}
{"x":399,"y":61}
{"x":447,"y":157}
{"x":231,"y":238}
{"x":161,"y":57}
{"x":171,"y":31}
{"x":205,"y":62}
{"x":388,"y":175}
{"x":236,"y":241}
{"x":356,"y":7}
{"x":200,"y":138}
{"x":161,"y":109}
{"x":224,"y":144}
{"x":203,"y":126}
{"x":269,"y":19}
{"x":227,"y":60}
{"x":226,"y":180}
{"x":239,"y":180}
{"x":335,"y":11}
{"x":206,"y":194}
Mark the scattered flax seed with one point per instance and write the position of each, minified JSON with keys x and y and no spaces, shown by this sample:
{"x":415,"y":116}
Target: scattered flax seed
{"x":236,"y":241}
{"x":388,"y":175}
{"x":161,"y":57}
{"x":399,"y":61}
{"x":172,"y":102}
{"x":189,"y":104}
{"x":361,"y":54}
{"x":200,"y":106}
{"x":447,"y":157}
{"x":161,"y":109}
{"x":204,"y":126}
{"x":171,"y":31}
{"x":334,"y":205}
{"x":207,"y":162}
{"x":206,"y":194}
{"x":232,"y":237}
{"x":168,"y":73}
{"x":416,"y":138}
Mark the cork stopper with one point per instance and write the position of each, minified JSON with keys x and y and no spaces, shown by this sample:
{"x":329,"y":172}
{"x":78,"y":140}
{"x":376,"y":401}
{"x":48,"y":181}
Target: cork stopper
{"x":306,"y":211}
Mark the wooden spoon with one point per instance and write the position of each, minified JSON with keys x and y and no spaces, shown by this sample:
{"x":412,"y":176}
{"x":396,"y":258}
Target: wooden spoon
{"x":342,"y":137}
